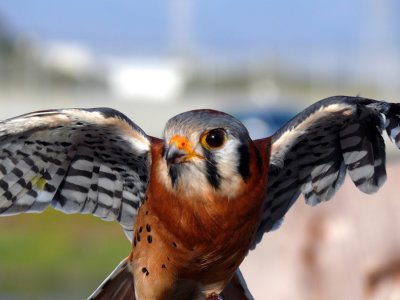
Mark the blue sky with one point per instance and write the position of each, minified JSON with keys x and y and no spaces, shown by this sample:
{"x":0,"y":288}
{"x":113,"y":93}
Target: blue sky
{"x":215,"y":27}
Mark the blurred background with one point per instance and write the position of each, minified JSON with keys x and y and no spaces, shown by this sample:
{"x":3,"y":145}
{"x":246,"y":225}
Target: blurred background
{"x":262,"y":61}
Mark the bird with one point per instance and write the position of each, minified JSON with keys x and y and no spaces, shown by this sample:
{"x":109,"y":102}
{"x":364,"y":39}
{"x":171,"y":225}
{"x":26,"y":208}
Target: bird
{"x":194,"y":202}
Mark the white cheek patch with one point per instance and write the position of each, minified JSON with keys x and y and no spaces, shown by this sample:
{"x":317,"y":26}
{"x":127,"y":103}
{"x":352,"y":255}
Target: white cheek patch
{"x":228,"y":157}
{"x":228,"y":160}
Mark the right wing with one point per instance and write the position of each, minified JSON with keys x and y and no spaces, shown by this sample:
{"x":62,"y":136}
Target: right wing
{"x":89,"y":161}
{"x":311,"y":154}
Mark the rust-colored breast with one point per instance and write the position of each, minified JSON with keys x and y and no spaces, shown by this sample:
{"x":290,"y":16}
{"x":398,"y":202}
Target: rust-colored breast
{"x":201,"y":239}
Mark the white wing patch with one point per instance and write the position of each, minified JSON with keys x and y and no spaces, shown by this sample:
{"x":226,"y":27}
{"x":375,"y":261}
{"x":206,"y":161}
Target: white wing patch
{"x":281,"y":146}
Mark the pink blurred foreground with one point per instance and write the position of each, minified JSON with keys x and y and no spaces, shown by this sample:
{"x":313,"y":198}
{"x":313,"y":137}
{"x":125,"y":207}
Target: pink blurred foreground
{"x":348,"y":248}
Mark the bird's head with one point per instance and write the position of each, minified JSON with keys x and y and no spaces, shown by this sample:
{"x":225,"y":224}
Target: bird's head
{"x":206,"y":150}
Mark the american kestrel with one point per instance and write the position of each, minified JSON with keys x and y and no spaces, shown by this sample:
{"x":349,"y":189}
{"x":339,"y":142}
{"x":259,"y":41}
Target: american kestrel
{"x":194,"y":202}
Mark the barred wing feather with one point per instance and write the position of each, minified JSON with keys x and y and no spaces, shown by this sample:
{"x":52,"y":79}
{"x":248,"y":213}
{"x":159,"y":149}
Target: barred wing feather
{"x":311,"y":153}
{"x":90,"y":161}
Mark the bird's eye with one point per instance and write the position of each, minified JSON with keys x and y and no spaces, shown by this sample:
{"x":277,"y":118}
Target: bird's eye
{"x":213,"y":139}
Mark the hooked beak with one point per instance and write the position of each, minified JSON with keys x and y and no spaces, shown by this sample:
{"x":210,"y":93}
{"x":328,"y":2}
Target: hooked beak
{"x":180,"y":151}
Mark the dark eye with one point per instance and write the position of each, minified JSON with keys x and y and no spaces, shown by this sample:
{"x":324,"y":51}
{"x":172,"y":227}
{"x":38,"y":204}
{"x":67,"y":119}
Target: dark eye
{"x":214,"y":138}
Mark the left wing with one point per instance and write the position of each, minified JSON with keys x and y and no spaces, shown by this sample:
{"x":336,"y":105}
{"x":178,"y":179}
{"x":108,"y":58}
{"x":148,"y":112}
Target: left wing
{"x":89,"y":161}
{"x":311,"y":153}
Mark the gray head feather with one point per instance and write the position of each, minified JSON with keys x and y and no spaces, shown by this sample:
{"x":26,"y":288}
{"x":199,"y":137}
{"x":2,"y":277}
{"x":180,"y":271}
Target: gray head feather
{"x":205,"y":119}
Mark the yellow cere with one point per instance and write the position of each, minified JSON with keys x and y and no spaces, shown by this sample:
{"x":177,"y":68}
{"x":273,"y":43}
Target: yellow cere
{"x":184,"y":144}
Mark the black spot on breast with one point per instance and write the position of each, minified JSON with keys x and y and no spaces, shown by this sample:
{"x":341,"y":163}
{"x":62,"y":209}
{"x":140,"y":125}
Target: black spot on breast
{"x":148,"y":228}
{"x":163,"y":266}
{"x":138,"y":237}
{"x":149,"y":239}
{"x":134,"y":241}
{"x":145,"y":271}
{"x":140,"y":229}
{"x":174,"y":244}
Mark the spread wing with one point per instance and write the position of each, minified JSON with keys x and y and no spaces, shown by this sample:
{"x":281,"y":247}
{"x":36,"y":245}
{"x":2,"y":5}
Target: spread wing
{"x":89,"y":161}
{"x":311,"y":153}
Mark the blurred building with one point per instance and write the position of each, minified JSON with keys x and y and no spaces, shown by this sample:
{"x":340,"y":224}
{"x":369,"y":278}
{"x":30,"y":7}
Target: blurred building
{"x":146,"y":79}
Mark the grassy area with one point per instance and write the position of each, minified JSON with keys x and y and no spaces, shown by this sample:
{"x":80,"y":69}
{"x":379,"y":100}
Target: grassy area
{"x":57,"y":254}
